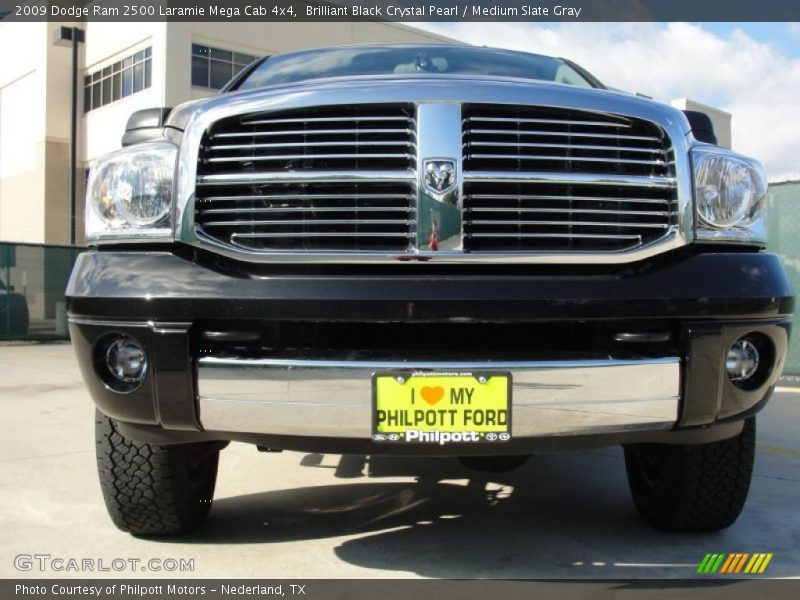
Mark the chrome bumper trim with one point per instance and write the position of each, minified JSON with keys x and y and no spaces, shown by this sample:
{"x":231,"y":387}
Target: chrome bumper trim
{"x":319,"y":398}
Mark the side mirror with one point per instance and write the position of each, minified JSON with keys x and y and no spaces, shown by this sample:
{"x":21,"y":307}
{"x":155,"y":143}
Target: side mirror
{"x":702,"y":126}
{"x":145,"y":126}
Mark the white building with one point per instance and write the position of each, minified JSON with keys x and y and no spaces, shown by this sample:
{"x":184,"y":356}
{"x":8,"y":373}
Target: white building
{"x":123,"y":67}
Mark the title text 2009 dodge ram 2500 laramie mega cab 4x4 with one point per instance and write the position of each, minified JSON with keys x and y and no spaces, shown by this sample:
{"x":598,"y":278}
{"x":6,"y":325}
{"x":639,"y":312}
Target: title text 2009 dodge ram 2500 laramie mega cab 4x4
{"x":429,"y":250}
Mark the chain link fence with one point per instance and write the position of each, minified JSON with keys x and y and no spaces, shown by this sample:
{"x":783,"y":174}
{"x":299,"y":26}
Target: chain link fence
{"x":33,"y":279}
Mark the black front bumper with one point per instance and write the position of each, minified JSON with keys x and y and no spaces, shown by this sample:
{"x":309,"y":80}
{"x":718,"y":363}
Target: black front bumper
{"x":167,"y":301}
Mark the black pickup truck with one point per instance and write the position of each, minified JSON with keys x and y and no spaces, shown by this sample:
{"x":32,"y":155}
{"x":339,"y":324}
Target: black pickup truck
{"x":427,"y":250}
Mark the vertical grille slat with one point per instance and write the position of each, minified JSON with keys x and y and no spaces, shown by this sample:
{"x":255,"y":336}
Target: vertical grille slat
{"x":541,"y":179}
{"x":337,"y":178}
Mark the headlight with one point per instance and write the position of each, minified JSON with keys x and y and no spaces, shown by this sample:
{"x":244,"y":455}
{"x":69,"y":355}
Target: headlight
{"x":730,"y":196}
{"x":129,"y":194}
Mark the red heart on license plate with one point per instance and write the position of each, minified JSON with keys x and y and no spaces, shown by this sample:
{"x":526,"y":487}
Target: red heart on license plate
{"x":432,"y":395}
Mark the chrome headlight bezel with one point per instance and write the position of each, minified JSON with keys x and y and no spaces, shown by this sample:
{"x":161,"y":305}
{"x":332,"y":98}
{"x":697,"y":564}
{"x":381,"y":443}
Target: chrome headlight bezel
{"x":108,"y":219}
{"x":745,"y":222}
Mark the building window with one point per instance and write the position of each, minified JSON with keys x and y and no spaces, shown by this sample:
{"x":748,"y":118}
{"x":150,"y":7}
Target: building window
{"x":123,"y":78}
{"x":213,"y":68}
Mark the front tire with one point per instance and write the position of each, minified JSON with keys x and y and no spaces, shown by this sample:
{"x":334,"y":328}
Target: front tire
{"x":692,"y":488}
{"x":154,"y":489}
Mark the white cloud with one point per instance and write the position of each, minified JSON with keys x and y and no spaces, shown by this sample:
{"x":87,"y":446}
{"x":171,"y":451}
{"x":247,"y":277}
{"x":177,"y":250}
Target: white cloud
{"x":754,"y":81}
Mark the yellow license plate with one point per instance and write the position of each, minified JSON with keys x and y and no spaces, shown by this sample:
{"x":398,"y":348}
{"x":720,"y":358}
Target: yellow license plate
{"x":441,"y":408}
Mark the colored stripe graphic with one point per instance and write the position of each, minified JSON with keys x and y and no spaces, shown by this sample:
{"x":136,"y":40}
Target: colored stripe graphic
{"x":730,"y":562}
{"x":764,"y":564}
{"x":733,"y":563}
{"x":740,"y":564}
{"x":717,"y":563}
{"x":754,"y":561}
{"x":711,"y":562}
{"x":702,"y":567}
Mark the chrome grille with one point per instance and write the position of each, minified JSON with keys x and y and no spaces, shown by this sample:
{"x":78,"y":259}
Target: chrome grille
{"x":543,"y":179}
{"x":322,"y":178}
{"x":368,"y":215}
{"x":338,"y":137}
{"x":532,"y":138}
{"x":344,"y":178}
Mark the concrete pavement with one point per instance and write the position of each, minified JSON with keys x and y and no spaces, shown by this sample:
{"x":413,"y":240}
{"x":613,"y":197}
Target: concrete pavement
{"x":295,"y":515}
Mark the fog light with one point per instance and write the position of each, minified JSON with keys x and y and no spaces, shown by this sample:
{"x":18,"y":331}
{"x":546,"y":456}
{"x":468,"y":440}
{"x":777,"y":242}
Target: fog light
{"x":742,"y":361}
{"x":126,"y":360}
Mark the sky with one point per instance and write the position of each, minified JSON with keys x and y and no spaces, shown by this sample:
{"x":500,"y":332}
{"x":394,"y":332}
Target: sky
{"x":751,"y":70}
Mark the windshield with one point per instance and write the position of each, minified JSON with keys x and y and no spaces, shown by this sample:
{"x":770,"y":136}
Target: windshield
{"x":409,"y":61}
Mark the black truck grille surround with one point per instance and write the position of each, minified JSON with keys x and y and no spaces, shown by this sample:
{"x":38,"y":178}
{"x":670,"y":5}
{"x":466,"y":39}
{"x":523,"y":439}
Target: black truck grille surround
{"x":342,"y":178}
{"x":313,"y":208}
{"x":555,"y":216}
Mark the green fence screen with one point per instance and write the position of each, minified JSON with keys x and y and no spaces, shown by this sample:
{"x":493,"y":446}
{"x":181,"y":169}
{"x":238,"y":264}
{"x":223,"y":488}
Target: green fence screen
{"x":33,"y":279}
{"x":784,"y":240}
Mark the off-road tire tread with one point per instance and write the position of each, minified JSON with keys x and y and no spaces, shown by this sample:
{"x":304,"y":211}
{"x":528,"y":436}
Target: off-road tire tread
{"x":143,"y":486}
{"x":706,"y":487}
